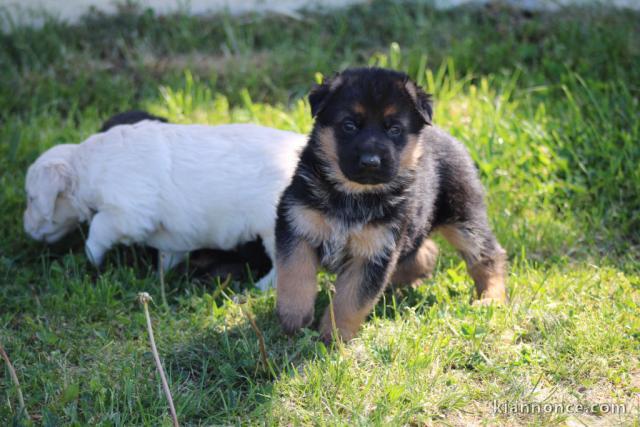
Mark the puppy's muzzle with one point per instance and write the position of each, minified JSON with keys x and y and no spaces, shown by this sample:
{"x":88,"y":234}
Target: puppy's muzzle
{"x":370,"y":168}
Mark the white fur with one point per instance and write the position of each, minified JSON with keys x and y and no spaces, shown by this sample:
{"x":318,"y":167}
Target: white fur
{"x":173,"y":187}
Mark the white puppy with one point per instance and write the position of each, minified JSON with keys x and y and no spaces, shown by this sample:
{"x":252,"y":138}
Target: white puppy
{"x":173,"y":187}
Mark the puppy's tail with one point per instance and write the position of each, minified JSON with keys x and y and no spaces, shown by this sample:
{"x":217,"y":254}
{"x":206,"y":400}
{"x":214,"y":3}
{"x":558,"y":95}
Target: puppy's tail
{"x":129,"y":118}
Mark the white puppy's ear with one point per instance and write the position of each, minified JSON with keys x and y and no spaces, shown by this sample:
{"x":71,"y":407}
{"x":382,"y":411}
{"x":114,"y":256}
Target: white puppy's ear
{"x":53,"y":179}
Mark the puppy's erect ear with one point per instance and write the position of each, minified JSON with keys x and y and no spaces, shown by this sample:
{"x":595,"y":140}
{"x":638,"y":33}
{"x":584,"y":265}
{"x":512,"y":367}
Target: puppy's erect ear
{"x":321,"y":93}
{"x":52,"y":179}
{"x":421,"y":100}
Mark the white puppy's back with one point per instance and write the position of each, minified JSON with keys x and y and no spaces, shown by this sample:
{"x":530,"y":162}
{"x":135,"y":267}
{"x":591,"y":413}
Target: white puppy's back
{"x":184,"y":187}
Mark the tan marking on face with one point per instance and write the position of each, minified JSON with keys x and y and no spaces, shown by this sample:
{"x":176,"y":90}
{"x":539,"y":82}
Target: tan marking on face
{"x":328,"y":152}
{"x":309,"y":223}
{"x":487,"y":270}
{"x":348,"y":186}
{"x":358,"y":108}
{"x":411,"y":152}
{"x":296,"y":286}
{"x":390,"y":110}
{"x":327,"y":145}
{"x":417,"y":267}
{"x":370,"y":241}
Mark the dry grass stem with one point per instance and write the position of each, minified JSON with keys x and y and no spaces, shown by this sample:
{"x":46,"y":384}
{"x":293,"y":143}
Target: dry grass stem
{"x":144,"y":299}
{"x":261,"y":344}
{"x":163,"y":294}
{"x":14,"y":378}
{"x":221,"y":287}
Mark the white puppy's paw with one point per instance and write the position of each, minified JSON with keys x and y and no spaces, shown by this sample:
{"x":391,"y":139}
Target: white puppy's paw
{"x":102,"y":235}
{"x":95,"y":253}
{"x":268,"y":281}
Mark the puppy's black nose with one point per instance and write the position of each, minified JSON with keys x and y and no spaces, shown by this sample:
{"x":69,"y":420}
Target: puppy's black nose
{"x":370,"y":161}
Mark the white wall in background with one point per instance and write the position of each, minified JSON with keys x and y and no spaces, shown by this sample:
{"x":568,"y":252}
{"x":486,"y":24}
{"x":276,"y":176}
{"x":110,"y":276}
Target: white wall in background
{"x":545,"y":4}
{"x":30,"y":11}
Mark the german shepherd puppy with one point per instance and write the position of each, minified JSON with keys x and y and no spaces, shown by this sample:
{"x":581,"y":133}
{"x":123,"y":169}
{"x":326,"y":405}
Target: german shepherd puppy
{"x":374,"y":181}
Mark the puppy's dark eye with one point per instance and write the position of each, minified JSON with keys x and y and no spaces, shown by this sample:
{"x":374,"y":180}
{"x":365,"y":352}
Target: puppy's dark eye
{"x":348,"y":126}
{"x":394,"y":130}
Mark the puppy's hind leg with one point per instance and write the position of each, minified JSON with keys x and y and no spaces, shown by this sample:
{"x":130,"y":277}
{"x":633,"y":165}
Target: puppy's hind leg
{"x":103,"y":235}
{"x":485,"y":258}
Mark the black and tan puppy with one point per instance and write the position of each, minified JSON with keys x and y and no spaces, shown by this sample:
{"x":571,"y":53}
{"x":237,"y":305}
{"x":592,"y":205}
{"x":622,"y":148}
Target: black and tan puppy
{"x":375,"y":180}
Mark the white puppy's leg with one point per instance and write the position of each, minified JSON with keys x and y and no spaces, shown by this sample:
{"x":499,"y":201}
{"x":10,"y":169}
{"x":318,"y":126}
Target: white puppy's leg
{"x":166,"y":261}
{"x":102,"y":235}
{"x":268,"y":281}
{"x":171,"y":259}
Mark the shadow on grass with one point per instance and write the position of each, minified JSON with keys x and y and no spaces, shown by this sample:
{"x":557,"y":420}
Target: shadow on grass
{"x":221,"y":362}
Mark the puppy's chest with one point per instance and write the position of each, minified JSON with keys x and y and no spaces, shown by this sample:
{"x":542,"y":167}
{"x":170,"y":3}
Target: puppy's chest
{"x":337,"y":241}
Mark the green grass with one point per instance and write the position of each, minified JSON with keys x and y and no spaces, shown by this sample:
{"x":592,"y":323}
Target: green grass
{"x":548,"y":106}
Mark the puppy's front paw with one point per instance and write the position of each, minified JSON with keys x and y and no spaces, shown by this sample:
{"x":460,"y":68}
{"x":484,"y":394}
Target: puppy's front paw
{"x":490,"y":300}
{"x":292,"y":320}
{"x":341,"y":330}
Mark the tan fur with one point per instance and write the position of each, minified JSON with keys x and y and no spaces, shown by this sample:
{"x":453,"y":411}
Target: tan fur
{"x":327,"y":144}
{"x":467,"y":246}
{"x":359,"y":108}
{"x":411,"y":153}
{"x":309,"y":223}
{"x":490,"y":280}
{"x":390,"y":110}
{"x":488,"y":275}
{"x":370,"y":241}
{"x":296,"y":286}
{"x":347,"y":312}
{"x":349,"y":309}
{"x":417,"y":267}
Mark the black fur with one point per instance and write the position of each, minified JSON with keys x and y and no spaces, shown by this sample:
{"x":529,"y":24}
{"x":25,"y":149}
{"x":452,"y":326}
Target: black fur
{"x":129,"y":118}
{"x":440,"y":188}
